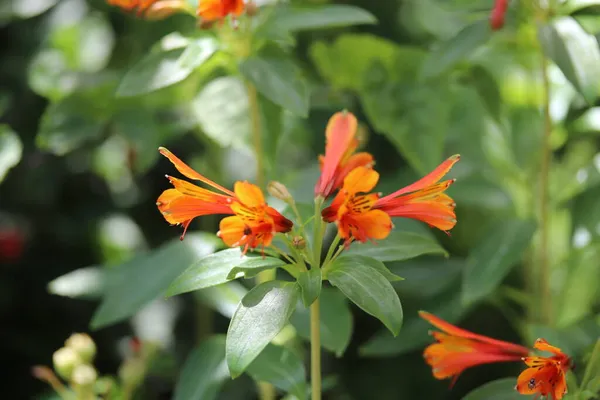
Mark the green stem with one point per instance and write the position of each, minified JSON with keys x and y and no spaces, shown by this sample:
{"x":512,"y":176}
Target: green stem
{"x":594,"y":359}
{"x":317,"y":233}
{"x":315,"y":350}
{"x":256,"y":133}
{"x":332,"y":247}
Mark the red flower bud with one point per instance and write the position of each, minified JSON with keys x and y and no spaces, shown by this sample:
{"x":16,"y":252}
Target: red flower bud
{"x":498,"y":14}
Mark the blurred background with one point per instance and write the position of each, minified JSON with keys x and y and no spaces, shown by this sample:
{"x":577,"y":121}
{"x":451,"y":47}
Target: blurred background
{"x":80,"y":174}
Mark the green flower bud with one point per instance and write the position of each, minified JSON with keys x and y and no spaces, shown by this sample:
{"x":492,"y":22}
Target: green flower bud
{"x":84,"y":376}
{"x":132,"y":371}
{"x":83,"y":345}
{"x":299,"y":242}
{"x":65,"y":360}
{"x":279,"y":191}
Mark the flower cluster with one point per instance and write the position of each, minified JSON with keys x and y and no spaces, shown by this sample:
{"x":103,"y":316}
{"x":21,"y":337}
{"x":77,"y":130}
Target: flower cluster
{"x":457,"y":349}
{"x":208,"y":10}
{"x":359,"y":215}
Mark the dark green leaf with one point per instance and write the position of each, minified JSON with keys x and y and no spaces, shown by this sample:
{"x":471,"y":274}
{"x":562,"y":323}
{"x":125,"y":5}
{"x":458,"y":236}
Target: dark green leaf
{"x":488,"y":90}
{"x":335,"y":321}
{"x":263,"y":312}
{"x":219,"y":268}
{"x":369,"y":290}
{"x":278,"y":80}
{"x":575,"y":52}
{"x":492,"y":259}
{"x":398,"y":246}
{"x":204,"y":371}
{"x":310,"y":284}
{"x":132,"y":285}
{"x":11,"y":150}
{"x":296,"y":18}
{"x":371,"y":262}
{"x":282,"y":368}
{"x":457,"y":49}
{"x":501,"y":389}
{"x":427,"y":276}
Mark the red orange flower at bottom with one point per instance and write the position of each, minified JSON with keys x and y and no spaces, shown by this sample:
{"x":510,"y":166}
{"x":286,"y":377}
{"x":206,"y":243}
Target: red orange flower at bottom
{"x":457,"y":349}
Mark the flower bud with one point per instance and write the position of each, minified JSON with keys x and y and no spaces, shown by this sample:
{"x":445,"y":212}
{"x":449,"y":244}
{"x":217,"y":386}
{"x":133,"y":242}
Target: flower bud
{"x":299,"y":242}
{"x":279,"y":191}
{"x":251,"y":9}
{"x":65,"y":360}
{"x":132,"y":371}
{"x":84,"y":376}
{"x":83,"y":345}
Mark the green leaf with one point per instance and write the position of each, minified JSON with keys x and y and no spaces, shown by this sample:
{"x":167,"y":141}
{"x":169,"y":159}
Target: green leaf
{"x":571,"y":6}
{"x":263,"y":312}
{"x":223,"y":298}
{"x":282,"y":368}
{"x":278,"y":79}
{"x":488,"y":90}
{"x":371,"y":262}
{"x":369,"y":290}
{"x":86,"y":283}
{"x":501,"y":389}
{"x":222,"y":111}
{"x":310,"y":285}
{"x":457,"y":49}
{"x":575,"y":52}
{"x":132,"y":285}
{"x":161,"y":69}
{"x":397,"y":246}
{"x":335,"y":322}
{"x":296,"y":18}
{"x":204,"y":371}
{"x":11,"y":150}
{"x":219,"y":268}
{"x":492,"y":259}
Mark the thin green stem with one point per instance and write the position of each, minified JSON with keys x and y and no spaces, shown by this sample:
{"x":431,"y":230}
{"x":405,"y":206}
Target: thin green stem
{"x":332,"y":247}
{"x":594,"y":359}
{"x":256,"y":133}
{"x":317,"y":233}
{"x":315,"y":350}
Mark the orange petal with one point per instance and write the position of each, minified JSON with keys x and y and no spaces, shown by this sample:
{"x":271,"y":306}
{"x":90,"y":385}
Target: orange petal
{"x":360,"y":180}
{"x":280,"y":223}
{"x":543,"y":345}
{"x":164,"y":201}
{"x":431,"y":178}
{"x":339,"y":135}
{"x":248,"y":194}
{"x":234,"y":231}
{"x":440,"y":216}
{"x":187,"y":171}
{"x":189,"y":189}
{"x":374,"y":224}
{"x":183,"y":208}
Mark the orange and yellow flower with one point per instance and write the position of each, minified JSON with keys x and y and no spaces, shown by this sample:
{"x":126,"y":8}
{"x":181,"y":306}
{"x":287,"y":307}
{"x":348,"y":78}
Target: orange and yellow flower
{"x":212,"y":10}
{"x":152,"y":9}
{"x":545,"y":376}
{"x":252,"y":224}
{"x":340,"y":159}
{"x":368,"y":216}
{"x":457,"y":349}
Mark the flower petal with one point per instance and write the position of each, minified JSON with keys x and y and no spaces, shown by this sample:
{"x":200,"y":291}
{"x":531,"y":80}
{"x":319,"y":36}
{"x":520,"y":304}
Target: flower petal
{"x":543,"y":345}
{"x":248,"y":194}
{"x":233,"y":231}
{"x":177,"y":209}
{"x":280,"y":223}
{"x":189,"y":189}
{"x":440,"y":216}
{"x":431,"y":178}
{"x":374,"y":224}
{"x":360,"y":180}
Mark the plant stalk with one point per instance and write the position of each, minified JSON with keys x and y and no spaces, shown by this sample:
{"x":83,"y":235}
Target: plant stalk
{"x":315,"y":350}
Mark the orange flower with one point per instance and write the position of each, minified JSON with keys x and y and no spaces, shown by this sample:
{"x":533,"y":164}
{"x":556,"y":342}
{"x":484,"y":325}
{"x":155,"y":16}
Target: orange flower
{"x":457,"y":349}
{"x":339,"y":157}
{"x":252,"y":224}
{"x":211,"y":10}
{"x":367,"y":216}
{"x":152,"y":9}
{"x":545,"y":375}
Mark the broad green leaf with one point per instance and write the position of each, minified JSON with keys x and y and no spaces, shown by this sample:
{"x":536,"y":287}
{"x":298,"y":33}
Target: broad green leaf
{"x":571,"y":6}
{"x":263,"y":312}
{"x":310,"y":285}
{"x":223,"y":298}
{"x":282,"y":368}
{"x":219,"y":268}
{"x":501,"y":389}
{"x":429,"y":276}
{"x":86,"y":283}
{"x":371,"y":262}
{"x":488,"y":90}
{"x":573,"y":339}
{"x":222,"y":111}
{"x":414,"y":332}
{"x":161,"y":69}
{"x":335,"y":322}
{"x":132,"y":285}
{"x":369,"y":290}
{"x":279,"y":80}
{"x":492,"y":259}
{"x":575,"y":52}
{"x":204,"y":371}
{"x":591,"y":376}
{"x":459,"y":48}
{"x":11,"y":150}
{"x":296,"y":18}
{"x":397,"y":246}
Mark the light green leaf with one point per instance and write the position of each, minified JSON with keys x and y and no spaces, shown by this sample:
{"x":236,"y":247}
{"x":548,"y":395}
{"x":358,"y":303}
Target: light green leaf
{"x":223,"y":298}
{"x":492,"y":259}
{"x":282,"y":368}
{"x":369,"y":290}
{"x":371,"y":262}
{"x":310,"y":285}
{"x":263,"y":312}
{"x":575,"y":52}
{"x":488,"y":90}
{"x":279,"y":80}
{"x":335,"y":322}
{"x":11,"y":150}
{"x":204,"y":371}
{"x":571,"y":6}
{"x":296,"y":18}
{"x":132,"y":285}
{"x":459,"y":48}
{"x":219,"y":268}
{"x":501,"y":389}
{"x":397,"y":246}
{"x":86,"y":283}
{"x":197,"y":52}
